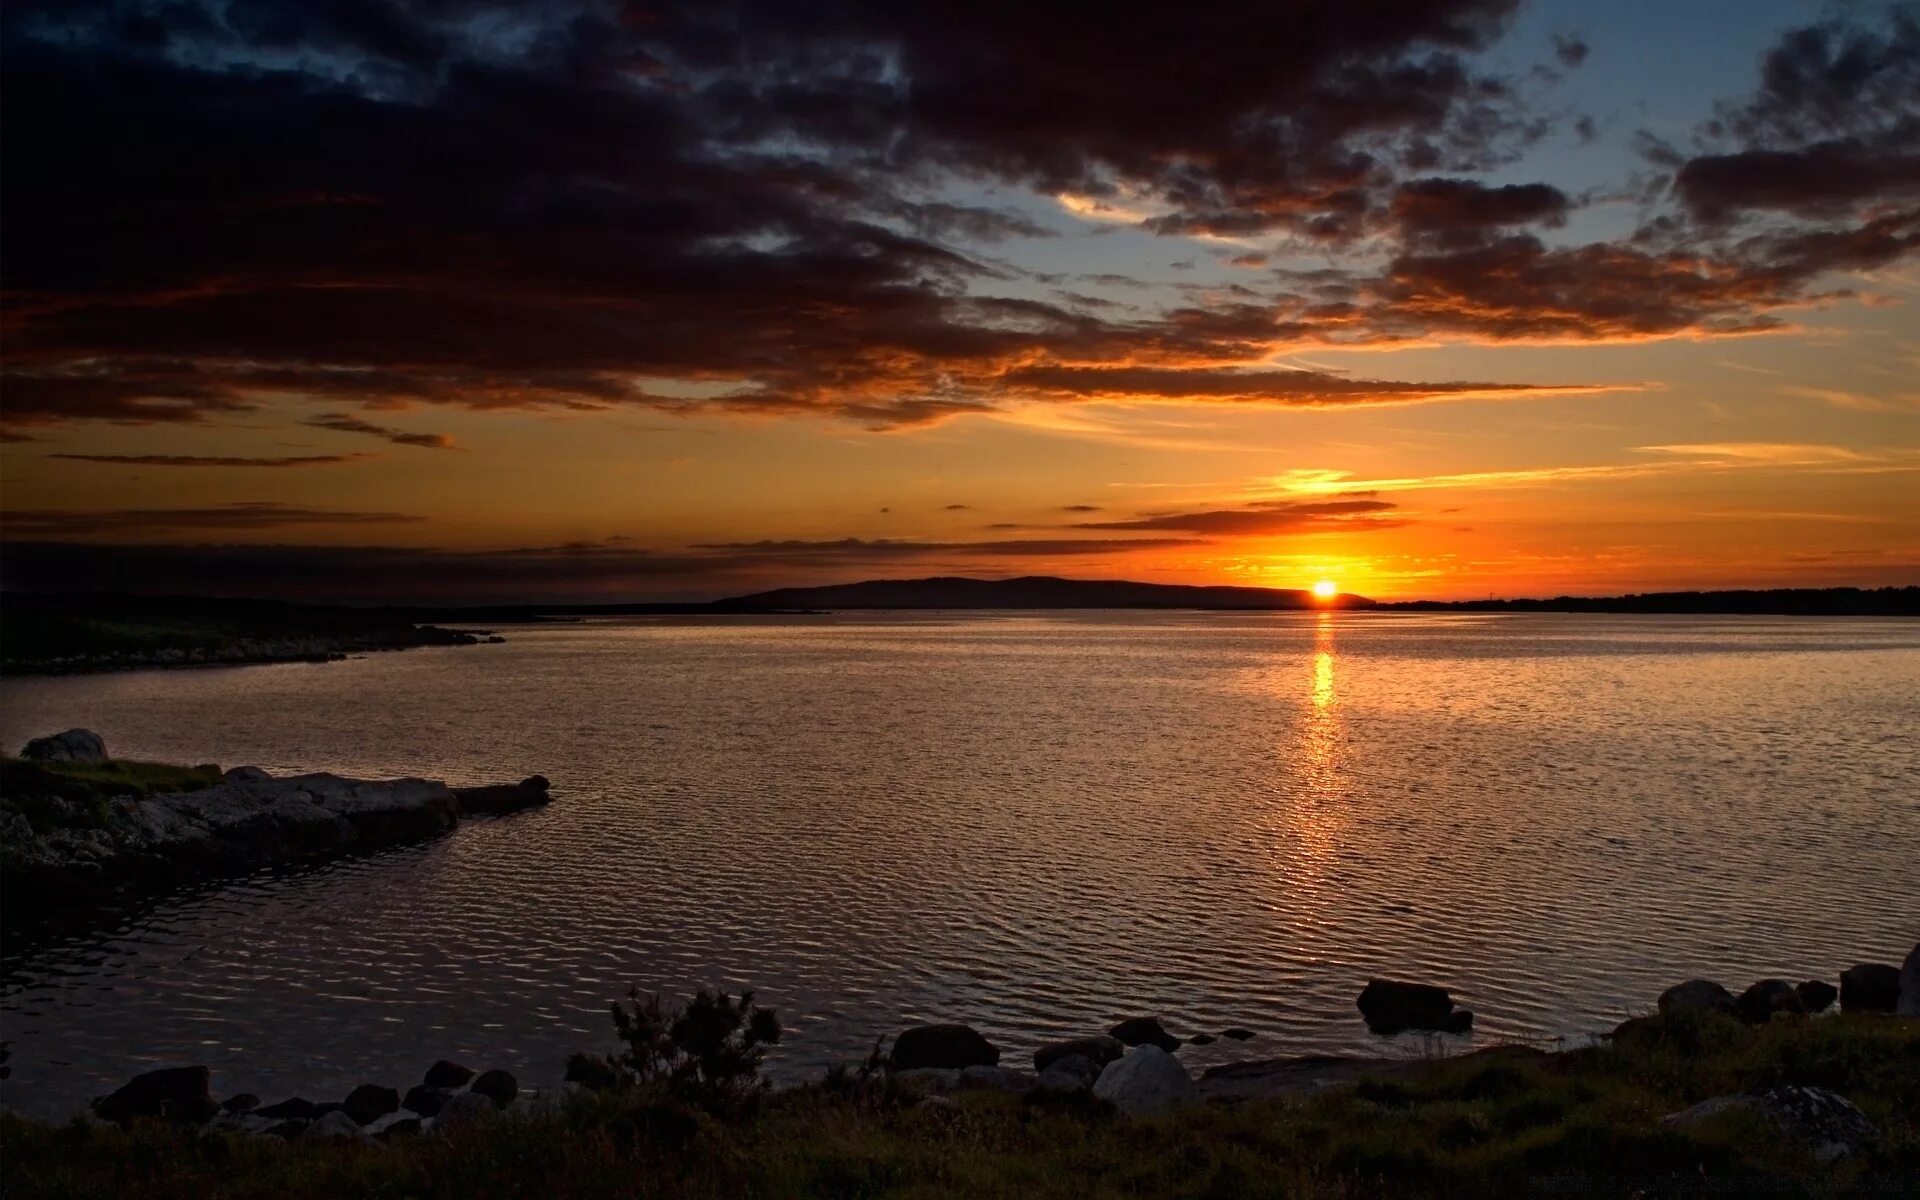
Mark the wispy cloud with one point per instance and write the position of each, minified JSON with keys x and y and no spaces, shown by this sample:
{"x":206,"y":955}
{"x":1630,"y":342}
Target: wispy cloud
{"x":209,"y":460}
{"x":259,"y":514}
{"x":348,"y":423}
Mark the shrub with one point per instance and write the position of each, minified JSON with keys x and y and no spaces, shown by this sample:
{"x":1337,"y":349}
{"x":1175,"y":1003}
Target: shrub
{"x":707,"y":1052}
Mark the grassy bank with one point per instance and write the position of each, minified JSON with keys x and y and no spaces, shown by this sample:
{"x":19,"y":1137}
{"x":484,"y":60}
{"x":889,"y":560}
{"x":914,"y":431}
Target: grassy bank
{"x":1502,"y":1123}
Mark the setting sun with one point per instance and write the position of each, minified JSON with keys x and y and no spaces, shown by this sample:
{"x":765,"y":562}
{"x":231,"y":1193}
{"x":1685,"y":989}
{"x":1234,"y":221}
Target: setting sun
{"x":1326,"y":589}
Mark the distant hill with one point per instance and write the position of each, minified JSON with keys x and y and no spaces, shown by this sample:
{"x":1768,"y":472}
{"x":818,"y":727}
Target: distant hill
{"x":1810,"y":602}
{"x":1033,"y":591}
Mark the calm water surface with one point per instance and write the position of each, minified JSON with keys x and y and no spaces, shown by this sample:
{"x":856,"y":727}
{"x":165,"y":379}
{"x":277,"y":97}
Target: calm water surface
{"x":1036,"y":823}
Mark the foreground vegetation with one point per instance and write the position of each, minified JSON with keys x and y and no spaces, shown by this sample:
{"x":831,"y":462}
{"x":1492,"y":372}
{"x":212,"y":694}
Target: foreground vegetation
{"x":1504,"y":1123}
{"x":77,"y":795}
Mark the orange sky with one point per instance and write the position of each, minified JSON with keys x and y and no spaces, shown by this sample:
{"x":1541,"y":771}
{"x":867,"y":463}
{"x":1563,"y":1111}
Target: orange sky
{"x":1586,"y":365}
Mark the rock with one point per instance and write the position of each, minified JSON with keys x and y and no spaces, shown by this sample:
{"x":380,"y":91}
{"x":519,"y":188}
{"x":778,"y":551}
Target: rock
{"x":1909,"y":1005}
{"x":928,"y":1079}
{"x":445,"y":1074}
{"x":1148,"y":1080}
{"x":1697,"y":995}
{"x":1201,"y":1039}
{"x":425,"y":1100}
{"x":1074,"y":1073}
{"x":369,"y":1102}
{"x":944,"y":1046}
{"x":245,"y":1102}
{"x":334,"y":1127}
{"x":395,"y":1124}
{"x":1759,"y":1003}
{"x":497,"y":1086}
{"x":287,"y":1129}
{"x":1827,"y":1122}
{"x":239,"y":1123}
{"x":295,"y":1109}
{"x":1098,"y":1050}
{"x":500,"y":798}
{"x":1870,"y":987}
{"x":1144,"y":1031}
{"x":462,"y":1109}
{"x":1006,"y":1079}
{"x":495,"y":640}
{"x":1391,"y":1006}
{"x":1460,"y":1020}
{"x":75,"y":745}
{"x":1238,"y":1034}
{"x":246,"y":775}
{"x":1639,"y":1031}
{"x":1816,"y":995}
{"x":170,"y":1094}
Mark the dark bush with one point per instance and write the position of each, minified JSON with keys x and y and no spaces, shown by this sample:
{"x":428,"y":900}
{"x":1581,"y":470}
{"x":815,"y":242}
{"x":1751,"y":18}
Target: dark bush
{"x":707,"y":1052}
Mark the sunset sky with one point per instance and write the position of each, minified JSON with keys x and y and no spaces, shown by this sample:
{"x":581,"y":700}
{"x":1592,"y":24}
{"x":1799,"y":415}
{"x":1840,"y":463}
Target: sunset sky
{"x":449,"y":299}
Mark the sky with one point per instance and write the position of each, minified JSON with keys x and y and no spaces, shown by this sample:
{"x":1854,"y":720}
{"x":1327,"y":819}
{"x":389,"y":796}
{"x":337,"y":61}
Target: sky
{"x":457,"y":300}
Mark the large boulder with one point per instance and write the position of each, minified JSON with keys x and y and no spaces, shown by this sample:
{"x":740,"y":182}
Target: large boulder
{"x":1816,"y":995}
{"x":462,"y":1109}
{"x":1097,"y":1050}
{"x":1870,"y":987}
{"x":1909,"y":1005}
{"x":369,"y":1102}
{"x":1697,"y":995}
{"x":1144,"y":1031}
{"x":1758,"y":1004}
{"x":1074,"y":1073}
{"x":296,"y":1109}
{"x":170,"y":1094}
{"x":447,"y":1074}
{"x":1391,"y":1006}
{"x":1148,"y":1080}
{"x":427,"y":1101}
{"x":496,"y":1085}
{"x":944,"y":1047}
{"x":1826,"y":1122}
{"x":334,"y":1127}
{"x":75,"y":745}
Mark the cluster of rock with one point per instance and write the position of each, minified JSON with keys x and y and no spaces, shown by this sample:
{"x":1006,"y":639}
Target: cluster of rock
{"x":450,"y":1096}
{"x":1132,"y":1066}
{"x":1864,"y":988}
{"x":313,"y":647}
{"x":248,"y":820}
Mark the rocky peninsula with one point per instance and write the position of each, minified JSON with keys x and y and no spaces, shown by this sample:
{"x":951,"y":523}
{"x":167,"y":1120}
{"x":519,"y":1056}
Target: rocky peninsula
{"x":77,"y":826}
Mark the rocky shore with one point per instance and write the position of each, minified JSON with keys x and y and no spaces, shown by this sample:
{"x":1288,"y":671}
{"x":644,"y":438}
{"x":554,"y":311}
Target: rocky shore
{"x":249,"y":651}
{"x":77,"y":826}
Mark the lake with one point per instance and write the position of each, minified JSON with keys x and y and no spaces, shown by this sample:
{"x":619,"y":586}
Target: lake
{"x":1035,"y":823}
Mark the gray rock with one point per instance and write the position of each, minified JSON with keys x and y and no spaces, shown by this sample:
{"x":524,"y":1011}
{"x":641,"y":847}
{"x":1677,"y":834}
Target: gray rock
{"x":394,"y":1124}
{"x":447,"y":1074}
{"x":943,"y":1046}
{"x":1826,"y":1122}
{"x":171,"y":1094}
{"x":75,"y":745}
{"x":296,"y":1109}
{"x":1238,"y":1034}
{"x":369,"y":1102}
{"x":463,"y":1109}
{"x":497,"y":1086}
{"x":1099,"y":1050}
{"x":246,"y":775}
{"x":1073,"y":1073}
{"x":501,"y":798}
{"x":334,"y":1127}
{"x":1697,"y":995}
{"x":1870,"y":987}
{"x":928,"y":1079}
{"x":1816,"y":995}
{"x":1909,"y":1005}
{"x":1148,"y":1080}
{"x":1006,"y":1079}
{"x":427,"y":1101}
{"x":1758,"y":1004}
{"x":245,"y":1102}
{"x":1144,"y":1031}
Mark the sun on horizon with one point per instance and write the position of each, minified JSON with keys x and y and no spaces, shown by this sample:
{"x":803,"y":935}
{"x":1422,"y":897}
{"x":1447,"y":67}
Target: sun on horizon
{"x":1326,"y":589}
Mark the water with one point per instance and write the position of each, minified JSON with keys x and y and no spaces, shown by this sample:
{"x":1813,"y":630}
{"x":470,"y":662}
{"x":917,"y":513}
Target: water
{"x":1035,"y":823}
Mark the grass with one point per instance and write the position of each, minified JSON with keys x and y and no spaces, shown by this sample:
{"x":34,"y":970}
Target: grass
{"x":65,"y":795}
{"x":1504,"y":1123}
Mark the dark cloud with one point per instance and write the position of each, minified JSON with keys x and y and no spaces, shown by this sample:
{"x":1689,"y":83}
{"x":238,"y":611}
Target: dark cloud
{"x":136,"y":522}
{"x":885,"y":548}
{"x":1288,"y":388}
{"x":1451,"y":211}
{"x":1265,"y":518}
{"x":1080,"y":508}
{"x":208,"y":460}
{"x":958,"y":507}
{"x":347,"y":423}
{"x":1570,"y":49}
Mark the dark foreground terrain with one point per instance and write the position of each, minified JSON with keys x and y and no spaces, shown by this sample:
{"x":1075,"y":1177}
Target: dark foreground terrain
{"x":1505,"y":1122}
